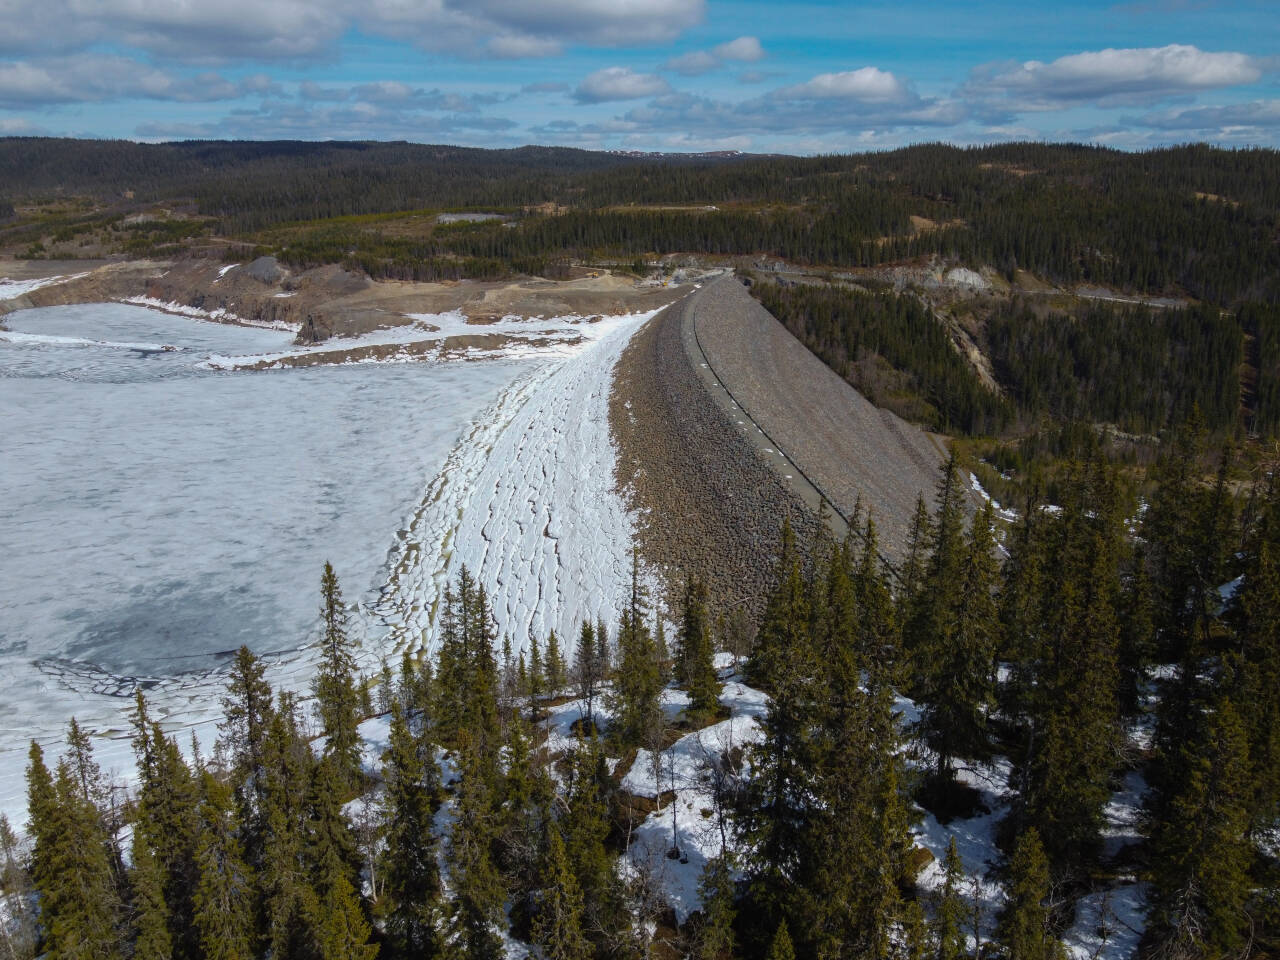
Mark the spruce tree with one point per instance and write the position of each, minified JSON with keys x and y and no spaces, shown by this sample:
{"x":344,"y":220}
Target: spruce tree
{"x":555,"y":668}
{"x":411,"y":884}
{"x":949,"y":914}
{"x":636,"y":697}
{"x":585,"y":827}
{"x":150,"y":916}
{"x":337,"y":699}
{"x":79,"y":902}
{"x":1201,"y":851}
{"x":478,"y":890}
{"x":695,"y":666}
{"x":780,"y":948}
{"x":166,"y":818}
{"x":930,"y":623}
{"x":777,"y":803}
{"x":247,"y":708}
{"x":960,"y":691}
{"x":1257,"y":618}
{"x":285,"y":881}
{"x":338,"y":925}
{"x":1023,"y":931}
{"x":557,"y":928}
{"x":715,"y":937}
{"x":537,"y":676}
{"x":587,"y":671}
{"x":328,"y":838}
{"x":224,"y":892}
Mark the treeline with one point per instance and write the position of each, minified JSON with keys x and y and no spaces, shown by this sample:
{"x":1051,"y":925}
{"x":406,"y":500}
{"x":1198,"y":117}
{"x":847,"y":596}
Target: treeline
{"x":1143,"y":370}
{"x":891,"y":348}
{"x":1139,"y":369}
{"x":1195,"y":220}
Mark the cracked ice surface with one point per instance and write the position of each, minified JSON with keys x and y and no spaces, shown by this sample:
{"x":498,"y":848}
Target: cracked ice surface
{"x":527,"y":503}
{"x":159,"y":509}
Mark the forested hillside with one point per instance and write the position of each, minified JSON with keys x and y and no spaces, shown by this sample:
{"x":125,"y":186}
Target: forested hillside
{"x":1191,"y":219}
{"x":461,"y":800}
{"x":1061,"y":236}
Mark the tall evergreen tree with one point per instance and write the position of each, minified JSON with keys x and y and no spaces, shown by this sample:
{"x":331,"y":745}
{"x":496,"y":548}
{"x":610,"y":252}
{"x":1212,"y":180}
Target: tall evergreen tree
{"x":949,"y":915}
{"x":1024,"y":932}
{"x":780,"y":948}
{"x":79,"y":904}
{"x":557,"y":928}
{"x":411,"y":885}
{"x":224,"y":892}
{"x":478,"y":890}
{"x":695,"y":667}
{"x":588,"y":672}
{"x":1200,"y":846}
{"x":960,"y":690}
{"x":166,"y":818}
{"x":285,"y":881}
{"x":247,"y":707}
{"x":555,"y":667}
{"x":337,"y":699}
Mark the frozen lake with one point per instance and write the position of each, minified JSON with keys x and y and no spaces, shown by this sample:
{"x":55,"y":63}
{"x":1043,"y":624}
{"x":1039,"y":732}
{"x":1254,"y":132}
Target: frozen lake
{"x":159,"y":513}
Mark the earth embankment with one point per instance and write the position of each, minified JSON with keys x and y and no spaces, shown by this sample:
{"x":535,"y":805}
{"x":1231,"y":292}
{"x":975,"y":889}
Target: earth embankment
{"x":843,"y":445}
{"x":726,"y":424}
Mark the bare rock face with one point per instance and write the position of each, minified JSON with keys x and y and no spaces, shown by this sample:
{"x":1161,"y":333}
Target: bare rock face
{"x":266,"y":270}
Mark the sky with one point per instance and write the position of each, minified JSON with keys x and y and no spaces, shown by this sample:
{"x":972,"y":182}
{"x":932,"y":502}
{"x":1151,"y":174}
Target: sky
{"x":818,"y":76}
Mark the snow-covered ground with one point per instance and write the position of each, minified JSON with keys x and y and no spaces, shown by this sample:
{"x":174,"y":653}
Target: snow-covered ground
{"x":523,"y":337}
{"x":160,"y":513}
{"x":11,"y":289}
{"x":527,"y":503}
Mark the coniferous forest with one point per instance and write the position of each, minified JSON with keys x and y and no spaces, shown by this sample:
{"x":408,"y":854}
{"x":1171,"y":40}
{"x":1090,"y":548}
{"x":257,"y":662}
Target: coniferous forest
{"x":436,"y":808}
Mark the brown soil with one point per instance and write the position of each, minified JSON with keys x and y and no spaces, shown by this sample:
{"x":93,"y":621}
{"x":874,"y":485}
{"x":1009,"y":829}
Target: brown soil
{"x":327,"y":301}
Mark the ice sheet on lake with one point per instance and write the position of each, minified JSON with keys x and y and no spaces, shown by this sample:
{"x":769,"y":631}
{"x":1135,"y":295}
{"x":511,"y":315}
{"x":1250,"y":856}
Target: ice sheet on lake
{"x":166,"y":514}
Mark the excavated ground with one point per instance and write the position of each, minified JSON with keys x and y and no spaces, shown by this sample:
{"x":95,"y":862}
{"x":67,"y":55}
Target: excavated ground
{"x":324,"y":302}
{"x":726,"y":424}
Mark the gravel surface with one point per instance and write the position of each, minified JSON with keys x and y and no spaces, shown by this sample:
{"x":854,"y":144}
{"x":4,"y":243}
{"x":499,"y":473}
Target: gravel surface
{"x":708,"y":502}
{"x":726,"y":424}
{"x":843,"y":445}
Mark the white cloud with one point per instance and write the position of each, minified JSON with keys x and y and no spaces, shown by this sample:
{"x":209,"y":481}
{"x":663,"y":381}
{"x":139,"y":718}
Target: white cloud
{"x":693,"y":64}
{"x":619,"y":83}
{"x":97,"y":78}
{"x":697,"y":62}
{"x":212,"y":31}
{"x":744,"y":49}
{"x":358,"y":120}
{"x":1112,"y":77}
{"x":1256,"y":115}
{"x":867,"y":84}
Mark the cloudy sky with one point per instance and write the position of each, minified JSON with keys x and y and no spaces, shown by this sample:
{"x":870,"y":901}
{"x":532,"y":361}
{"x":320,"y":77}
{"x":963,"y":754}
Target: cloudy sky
{"x":755,"y":75}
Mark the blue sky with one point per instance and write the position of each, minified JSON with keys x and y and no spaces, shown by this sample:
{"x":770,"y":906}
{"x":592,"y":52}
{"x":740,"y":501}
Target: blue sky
{"x":677,"y":75}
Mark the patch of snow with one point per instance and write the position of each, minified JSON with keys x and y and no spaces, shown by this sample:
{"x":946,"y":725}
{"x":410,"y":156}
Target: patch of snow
{"x":11,"y":289}
{"x":964,"y":277}
{"x":225,"y":270}
{"x":9,"y":336}
{"x":1109,"y":923}
{"x":220,"y":315}
{"x":1001,"y":512}
{"x":527,"y":503}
